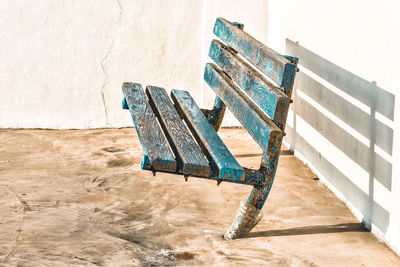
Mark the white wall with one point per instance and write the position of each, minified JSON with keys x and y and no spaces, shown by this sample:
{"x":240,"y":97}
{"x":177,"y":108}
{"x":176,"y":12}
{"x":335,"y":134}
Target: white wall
{"x":345,"y":119}
{"x":60,"y":57}
{"x":63,"y":62}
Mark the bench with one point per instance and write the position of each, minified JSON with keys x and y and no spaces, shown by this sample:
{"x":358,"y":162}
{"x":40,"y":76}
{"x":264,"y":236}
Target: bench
{"x":178,"y":137}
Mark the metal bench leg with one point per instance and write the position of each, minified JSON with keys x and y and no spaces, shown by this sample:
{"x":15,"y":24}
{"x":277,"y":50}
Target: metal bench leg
{"x":248,"y":215}
{"x":216,"y":114}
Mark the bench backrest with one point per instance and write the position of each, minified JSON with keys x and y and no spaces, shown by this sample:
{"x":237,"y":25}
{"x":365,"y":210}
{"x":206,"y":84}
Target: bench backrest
{"x":259,"y":102}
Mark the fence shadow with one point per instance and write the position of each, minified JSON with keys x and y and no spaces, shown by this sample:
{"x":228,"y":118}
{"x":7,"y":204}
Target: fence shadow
{"x":350,"y":113}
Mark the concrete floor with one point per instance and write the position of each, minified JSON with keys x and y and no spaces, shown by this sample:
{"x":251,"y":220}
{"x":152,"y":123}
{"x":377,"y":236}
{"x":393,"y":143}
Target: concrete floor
{"x":78,"y":197}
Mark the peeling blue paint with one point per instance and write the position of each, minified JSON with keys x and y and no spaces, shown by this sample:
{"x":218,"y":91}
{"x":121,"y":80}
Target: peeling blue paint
{"x":238,"y":24}
{"x":215,"y":53}
{"x":145,"y":164}
{"x":257,"y":126}
{"x":124,"y":104}
{"x":268,"y":67}
{"x":210,"y":78}
{"x":269,"y":97}
{"x":258,"y":56}
{"x":246,"y":48}
{"x":222,"y":161}
{"x":223,"y":32}
{"x":269,"y":62}
{"x":152,"y":140}
{"x":288,"y":76}
{"x":230,"y":174}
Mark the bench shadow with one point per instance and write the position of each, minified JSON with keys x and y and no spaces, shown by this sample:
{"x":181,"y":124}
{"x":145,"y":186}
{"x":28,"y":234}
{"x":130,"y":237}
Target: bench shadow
{"x":311,"y":230}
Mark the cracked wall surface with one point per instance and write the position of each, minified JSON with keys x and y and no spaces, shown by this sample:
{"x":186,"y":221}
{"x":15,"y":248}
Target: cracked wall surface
{"x":103,"y":68}
{"x":63,"y":62}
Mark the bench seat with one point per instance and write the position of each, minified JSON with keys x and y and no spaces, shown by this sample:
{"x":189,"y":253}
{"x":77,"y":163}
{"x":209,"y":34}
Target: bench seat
{"x":168,"y":143}
{"x":221,"y":160}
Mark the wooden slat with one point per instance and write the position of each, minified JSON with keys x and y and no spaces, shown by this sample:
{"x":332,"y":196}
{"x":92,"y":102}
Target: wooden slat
{"x":263,"y":130}
{"x":157,"y":153}
{"x":191,"y":160}
{"x":223,"y":162}
{"x":270,"y":98}
{"x":277,"y":67}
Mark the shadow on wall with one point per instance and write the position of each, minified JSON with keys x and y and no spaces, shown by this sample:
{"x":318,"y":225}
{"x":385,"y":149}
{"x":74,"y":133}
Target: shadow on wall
{"x":341,"y":123}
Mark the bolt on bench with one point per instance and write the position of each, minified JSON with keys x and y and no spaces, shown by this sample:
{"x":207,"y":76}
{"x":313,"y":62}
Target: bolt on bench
{"x":260,"y":104}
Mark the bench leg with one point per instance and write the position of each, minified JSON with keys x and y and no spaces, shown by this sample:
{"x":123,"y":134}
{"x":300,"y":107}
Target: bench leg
{"x":216,"y":114}
{"x":249,"y":214}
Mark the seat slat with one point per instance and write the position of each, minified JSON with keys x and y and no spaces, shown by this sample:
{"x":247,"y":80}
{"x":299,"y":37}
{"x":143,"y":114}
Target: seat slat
{"x":157,"y":153}
{"x":274,"y":65}
{"x":270,"y":98}
{"x":223,"y":162}
{"x":263,"y":130}
{"x":191,"y":160}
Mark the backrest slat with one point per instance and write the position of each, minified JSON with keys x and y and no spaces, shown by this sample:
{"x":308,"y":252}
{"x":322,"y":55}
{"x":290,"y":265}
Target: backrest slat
{"x":259,"y":125}
{"x":277,"y":67}
{"x":269,"y":97}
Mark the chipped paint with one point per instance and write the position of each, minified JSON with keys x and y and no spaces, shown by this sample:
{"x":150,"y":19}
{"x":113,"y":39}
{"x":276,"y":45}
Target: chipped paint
{"x":263,"y":130}
{"x":265,"y":59}
{"x":267,"y":96}
{"x":124,"y":104}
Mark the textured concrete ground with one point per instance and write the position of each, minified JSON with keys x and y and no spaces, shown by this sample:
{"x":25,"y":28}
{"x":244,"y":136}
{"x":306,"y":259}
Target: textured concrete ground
{"x":79,"y":198}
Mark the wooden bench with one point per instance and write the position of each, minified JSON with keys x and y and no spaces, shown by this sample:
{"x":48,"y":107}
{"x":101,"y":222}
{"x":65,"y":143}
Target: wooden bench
{"x":259,"y":100}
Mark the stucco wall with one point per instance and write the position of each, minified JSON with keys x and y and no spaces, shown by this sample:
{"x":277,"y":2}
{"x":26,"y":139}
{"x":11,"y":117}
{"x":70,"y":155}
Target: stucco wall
{"x":345,"y":119}
{"x":63,"y":62}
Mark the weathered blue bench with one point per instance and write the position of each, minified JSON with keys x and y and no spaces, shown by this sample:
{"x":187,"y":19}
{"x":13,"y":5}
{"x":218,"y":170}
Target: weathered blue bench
{"x":259,"y":103}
